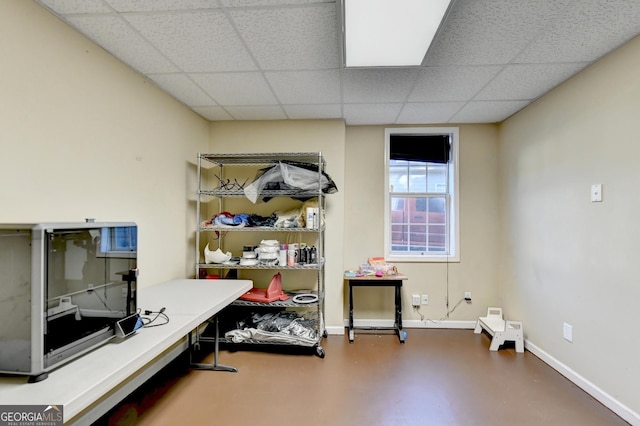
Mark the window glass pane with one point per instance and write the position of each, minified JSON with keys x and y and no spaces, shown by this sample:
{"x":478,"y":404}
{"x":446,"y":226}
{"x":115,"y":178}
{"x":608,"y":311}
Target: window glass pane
{"x":419,"y":210}
{"x":399,"y":237}
{"x":437,"y":224}
{"x":397,"y":203}
{"x":119,"y":239}
{"x":399,"y":228}
{"x":437,"y":180}
{"x":437,"y":209}
{"x":125,"y":238}
{"x":417,"y":177}
{"x":417,"y":237}
{"x":437,"y":237}
{"x":398,"y":171}
{"x":398,"y":210}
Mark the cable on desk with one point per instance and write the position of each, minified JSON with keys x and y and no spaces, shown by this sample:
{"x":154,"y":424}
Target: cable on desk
{"x":149,"y":322}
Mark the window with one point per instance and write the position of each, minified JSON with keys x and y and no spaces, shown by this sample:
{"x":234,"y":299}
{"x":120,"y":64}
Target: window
{"x":421,"y":204}
{"x":119,"y":241}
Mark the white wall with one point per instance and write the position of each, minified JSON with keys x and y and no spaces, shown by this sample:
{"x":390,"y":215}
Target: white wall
{"x":82,"y":135}
{"x":567,"y":259}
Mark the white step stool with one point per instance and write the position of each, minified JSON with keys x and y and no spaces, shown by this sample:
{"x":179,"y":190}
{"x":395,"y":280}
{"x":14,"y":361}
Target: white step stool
{"x":501,"y":330}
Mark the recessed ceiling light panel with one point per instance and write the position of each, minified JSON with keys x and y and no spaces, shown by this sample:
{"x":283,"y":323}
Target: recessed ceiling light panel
{"x":390,"y":33}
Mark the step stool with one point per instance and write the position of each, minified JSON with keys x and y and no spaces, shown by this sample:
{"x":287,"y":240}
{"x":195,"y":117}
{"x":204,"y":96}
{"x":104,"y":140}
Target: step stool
{"x":501,"y":330}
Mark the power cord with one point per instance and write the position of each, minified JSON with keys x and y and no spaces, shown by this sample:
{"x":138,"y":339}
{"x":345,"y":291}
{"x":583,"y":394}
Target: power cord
{"x":417,"y":308}
{"x":149,"y":321}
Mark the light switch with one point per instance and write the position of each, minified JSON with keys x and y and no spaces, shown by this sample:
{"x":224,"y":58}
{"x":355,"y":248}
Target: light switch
{"x":567,"y":332}
{"x":596,"y":193}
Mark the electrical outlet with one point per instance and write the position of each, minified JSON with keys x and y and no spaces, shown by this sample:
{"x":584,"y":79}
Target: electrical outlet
{"x":415,"y":300}
{"x":89,"y":288}
{"x":425,"y":299}
{"x":596,"y":193}
{"x":467,"y":296}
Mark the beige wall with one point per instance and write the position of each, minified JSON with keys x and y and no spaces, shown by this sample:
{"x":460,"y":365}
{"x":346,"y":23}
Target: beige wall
{"x":567,"y":259}
{"x":82,"y":135}
{"x":300,"y":136}
{"x":477,"y":270}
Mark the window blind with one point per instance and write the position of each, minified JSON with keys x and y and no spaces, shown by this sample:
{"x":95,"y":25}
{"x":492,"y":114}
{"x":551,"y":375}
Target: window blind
{"x":427,"y":148}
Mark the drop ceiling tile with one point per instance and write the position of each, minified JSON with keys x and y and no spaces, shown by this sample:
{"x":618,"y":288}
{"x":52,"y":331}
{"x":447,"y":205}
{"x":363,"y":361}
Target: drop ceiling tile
{"x":160,"y":5}
{"x":182,"y":88}
{"x":272,"y":112}
{"x":299,"y":38}
{"x":363,"y":114}
{"x":428,"y":113}
{"x":491,"y":31}
{"x":436,"y":84}
{"x":214,"y":113}
{"x":243,"y":88}
{"x":201,"y":41}
{"x":585,"y":32}
{"x":67,"y":7}
{"x":488,"y":112}
{"x":305,"y":87}
{"x":297,"y":112}
{"x":115,"y":36}
{"x":530,"y":81}
{"x":377,"y":85}
{"x":297,"y":43}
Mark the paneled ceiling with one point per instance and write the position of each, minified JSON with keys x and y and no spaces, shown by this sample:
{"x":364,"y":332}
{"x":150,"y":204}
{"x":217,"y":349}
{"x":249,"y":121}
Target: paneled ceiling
{"x":282,"y":59}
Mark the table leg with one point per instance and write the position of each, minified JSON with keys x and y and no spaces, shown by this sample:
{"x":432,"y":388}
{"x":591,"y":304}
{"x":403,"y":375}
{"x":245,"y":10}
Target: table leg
{"x":351,"y":332}
{"x":399,"y":312}
{"x":215,"y":366}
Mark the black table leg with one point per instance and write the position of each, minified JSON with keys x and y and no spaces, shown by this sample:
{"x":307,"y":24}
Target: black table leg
{"x":351,"y":332}
{"x":399,"y":312}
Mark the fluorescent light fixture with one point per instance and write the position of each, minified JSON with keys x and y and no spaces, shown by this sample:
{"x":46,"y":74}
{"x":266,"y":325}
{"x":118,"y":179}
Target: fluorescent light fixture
{"x":389,"y":33}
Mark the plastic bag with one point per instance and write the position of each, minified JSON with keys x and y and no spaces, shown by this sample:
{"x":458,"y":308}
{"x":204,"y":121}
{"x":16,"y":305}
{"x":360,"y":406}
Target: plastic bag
{"x":289,"y":177}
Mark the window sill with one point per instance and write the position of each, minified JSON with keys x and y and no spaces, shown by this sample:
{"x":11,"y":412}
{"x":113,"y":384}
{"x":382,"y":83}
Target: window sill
{"x":424,"y":259}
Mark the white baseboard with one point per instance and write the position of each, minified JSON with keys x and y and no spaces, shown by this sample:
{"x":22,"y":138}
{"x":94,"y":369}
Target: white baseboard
{"x":337,"y":330}
{"x":439,"y":324}
{"x":607,"y":400}
{"x":405,"y":324}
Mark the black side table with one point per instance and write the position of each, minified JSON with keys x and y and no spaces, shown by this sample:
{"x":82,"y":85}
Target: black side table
{"x":373,"y":281}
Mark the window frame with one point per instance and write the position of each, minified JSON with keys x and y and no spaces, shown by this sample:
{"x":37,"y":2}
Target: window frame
{"x":452,"y":249}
